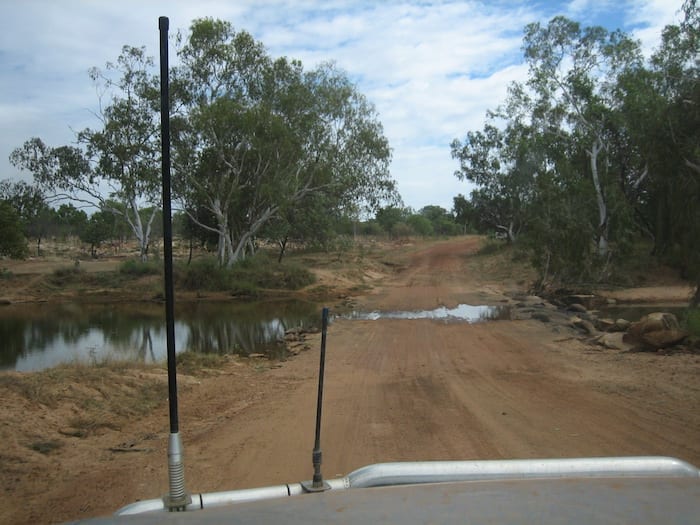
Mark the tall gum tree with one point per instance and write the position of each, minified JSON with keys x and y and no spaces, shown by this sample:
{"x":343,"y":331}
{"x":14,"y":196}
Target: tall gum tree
{"x":664,"y":105}
{"x":253,"y":136}
{"x":118,"y":162}
{"x":573,"y":73}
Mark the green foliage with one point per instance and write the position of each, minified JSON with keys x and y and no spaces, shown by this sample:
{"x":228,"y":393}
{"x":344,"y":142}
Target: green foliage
{"x":12,"y":241}
{"x":247,"y":277}
{"x":97,"y":230}
{"x":70,"y":221}
{"x":421,"y":225}
{"x":401,"y":231}
{"x":389,"y":216}
{"x":262,"y":143}
{"x":593,"y":149}
{"x":264,"y":272}
{"x":122,"y":155}
{"x":371,"y":227}
{"x":138,"y":268}
{"x":66,"y":275}
{"x":203,"y":274}
{"x":691,"y":321}
{"x":491,"y":246}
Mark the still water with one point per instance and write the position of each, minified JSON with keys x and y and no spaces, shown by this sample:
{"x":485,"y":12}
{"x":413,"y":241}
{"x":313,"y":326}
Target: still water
{"x":462,"y":312}
{"x":38,"y":336}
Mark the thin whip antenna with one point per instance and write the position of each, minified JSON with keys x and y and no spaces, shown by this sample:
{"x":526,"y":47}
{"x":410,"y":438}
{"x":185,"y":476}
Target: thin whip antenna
{"x":177,"y":499}
{"x":317,"y":484}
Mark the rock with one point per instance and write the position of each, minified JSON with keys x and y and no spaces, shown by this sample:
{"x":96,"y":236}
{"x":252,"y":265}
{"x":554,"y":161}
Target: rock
{"x":655,"y":331}
{"x":584,"y":325}
{"x":577,"y":307}
{"x":586,"y":300}
{"x":605,"y":325}
{"x":621,"y":325}
{"x":4,"y":301}
{"x":652,"y":323}
{"x":612,"y":341}
{"x":663,"y":338}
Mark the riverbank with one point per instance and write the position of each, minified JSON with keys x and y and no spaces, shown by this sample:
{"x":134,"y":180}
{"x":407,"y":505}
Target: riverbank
{"x":81,"y":442}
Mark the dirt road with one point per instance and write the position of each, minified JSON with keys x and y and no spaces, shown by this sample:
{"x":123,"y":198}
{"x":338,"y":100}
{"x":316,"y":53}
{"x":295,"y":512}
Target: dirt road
{"x":395,"y":390}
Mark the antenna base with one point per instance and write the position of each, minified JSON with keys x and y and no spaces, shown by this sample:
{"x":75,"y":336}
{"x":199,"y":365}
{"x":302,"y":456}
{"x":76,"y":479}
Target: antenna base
{"x":310,"y":486}
{"x":176,"y":505}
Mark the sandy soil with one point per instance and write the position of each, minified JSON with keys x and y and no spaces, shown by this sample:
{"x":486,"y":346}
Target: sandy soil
{"x":395,"y":390}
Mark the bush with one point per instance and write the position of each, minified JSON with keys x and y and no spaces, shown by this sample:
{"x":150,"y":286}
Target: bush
{"x":491,"y":246}
{"x":203,"y":274}
{"x":262,"y":271}
{"x":138,"y":268}
{"x":66,"y":274}
{"x":692,"y":321}
{"x":247,"y":277}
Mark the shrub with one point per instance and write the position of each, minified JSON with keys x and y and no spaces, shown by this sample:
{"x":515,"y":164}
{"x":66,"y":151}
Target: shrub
{"x":138,"y":268}
{"x":491,"y":246}
{"x":65,"y":275}
{"x":196,"y":363}
{"x":692,"y":321}
{"x":246,"y":277}
{"x":203,"y":274}
{"x":262,"y":271}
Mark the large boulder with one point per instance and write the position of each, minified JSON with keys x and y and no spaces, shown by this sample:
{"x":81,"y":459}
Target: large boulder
{"x":655,"y":331}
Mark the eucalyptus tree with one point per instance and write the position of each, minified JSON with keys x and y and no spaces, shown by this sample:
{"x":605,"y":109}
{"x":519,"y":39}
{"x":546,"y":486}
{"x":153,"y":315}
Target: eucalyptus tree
{"x":117,"y":161}
{"x":498,"y":162}
{"x":663,"y":105}
{"x":13,"y":243}
{"x":256,"y":135}
{"x":35,"y":215}
{"x":573,"y":73}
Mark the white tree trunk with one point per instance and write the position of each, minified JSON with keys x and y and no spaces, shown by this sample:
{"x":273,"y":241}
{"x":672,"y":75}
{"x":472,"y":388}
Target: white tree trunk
{"x":596,"y":147}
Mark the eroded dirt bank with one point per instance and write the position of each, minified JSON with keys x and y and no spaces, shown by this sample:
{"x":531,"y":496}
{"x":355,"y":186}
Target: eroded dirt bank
{"x":395,"y":390}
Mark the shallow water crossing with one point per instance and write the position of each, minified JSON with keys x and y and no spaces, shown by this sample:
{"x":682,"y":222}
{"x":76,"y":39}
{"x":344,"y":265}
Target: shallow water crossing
{"x":461,"y":313}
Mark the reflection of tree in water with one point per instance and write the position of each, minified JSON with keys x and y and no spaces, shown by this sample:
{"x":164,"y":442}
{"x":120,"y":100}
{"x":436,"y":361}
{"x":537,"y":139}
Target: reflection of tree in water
{"x":13,"y":341}
{"x":245,"y":329}
{"x":239,"y":337}
{"x":146,"y":344}
{"x":22,"y":331}
{"x":130,"y":330}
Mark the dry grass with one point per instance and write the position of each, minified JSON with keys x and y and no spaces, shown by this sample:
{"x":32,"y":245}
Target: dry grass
{"x":101,"y":393}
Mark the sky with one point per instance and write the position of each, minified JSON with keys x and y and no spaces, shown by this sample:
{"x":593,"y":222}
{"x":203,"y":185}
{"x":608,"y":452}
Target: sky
{"x":431,"y":68}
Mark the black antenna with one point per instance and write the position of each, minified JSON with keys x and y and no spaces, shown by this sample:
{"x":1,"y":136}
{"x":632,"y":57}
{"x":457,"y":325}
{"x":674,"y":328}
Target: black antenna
{"x":318,"y":485}
{"x":177,"y":499}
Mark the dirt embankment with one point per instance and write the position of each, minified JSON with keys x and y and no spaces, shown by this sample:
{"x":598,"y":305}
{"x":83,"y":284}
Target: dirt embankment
{"x":395,"y":390}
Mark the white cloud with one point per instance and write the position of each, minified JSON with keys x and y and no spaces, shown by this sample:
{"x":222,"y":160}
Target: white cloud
{"x":431,"y":68}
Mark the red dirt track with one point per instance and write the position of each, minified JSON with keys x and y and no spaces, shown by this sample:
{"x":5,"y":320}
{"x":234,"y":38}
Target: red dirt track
{"x":396,"y":390}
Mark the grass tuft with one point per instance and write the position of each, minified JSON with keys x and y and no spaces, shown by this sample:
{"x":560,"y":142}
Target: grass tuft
{"x":197,"y":363}
{"x":46,"y":447}
{"x":136,"y":268}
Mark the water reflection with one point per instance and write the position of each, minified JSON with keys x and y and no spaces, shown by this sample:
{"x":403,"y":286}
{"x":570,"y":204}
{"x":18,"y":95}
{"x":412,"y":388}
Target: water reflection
{"x":35,"y":337}
{"x":462,"y":312}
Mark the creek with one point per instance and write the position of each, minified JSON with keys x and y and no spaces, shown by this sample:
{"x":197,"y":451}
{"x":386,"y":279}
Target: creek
{"x":40,"y":336}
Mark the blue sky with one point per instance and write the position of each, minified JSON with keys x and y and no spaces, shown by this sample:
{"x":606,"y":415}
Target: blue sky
{"x":432,"y":69}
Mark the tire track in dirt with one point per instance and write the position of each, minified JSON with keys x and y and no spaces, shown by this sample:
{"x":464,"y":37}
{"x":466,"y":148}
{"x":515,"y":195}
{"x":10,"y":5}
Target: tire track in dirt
{"x":400,"y":390}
